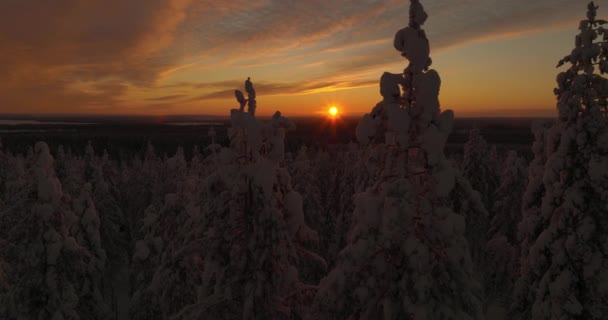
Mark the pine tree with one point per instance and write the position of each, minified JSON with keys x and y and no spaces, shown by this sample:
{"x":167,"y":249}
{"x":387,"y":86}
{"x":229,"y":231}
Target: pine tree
{"x":564,"y":273}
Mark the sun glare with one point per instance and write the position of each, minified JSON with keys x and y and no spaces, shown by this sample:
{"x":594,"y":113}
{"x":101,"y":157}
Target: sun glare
{"x":333,"y":111}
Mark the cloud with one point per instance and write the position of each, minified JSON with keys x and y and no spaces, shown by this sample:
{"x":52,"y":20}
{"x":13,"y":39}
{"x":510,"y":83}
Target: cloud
{"x":346,"y":39}
{"x":225,"y":90}
{"x":67,"y":55}
{"x":244,"y":29}
{"x":49,"y":48}
{"x":166,"y":98}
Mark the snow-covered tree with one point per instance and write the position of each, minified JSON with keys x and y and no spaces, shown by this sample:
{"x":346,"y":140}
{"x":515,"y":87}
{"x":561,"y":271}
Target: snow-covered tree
{"x":15,"y":185}
{"x":249,"y":253}
{"x":304,"y":181}
{"x":114,"y":233}
{"x":529,"y":226}
{"x":502,"y":248}
{"x":70,"y":170}
{"x":173,"y":249}
{"x":349,"y":182}
{"x":324,"y":219}
{"x":140,"y":185}
{"x":507,"y":207}
{"x":407,"y":256}
{"x":158,"y":225}
{"x":52,"y":252}
{"x":480,"y":167}
{"x":564,"y":273}
{"x":167,"y":253}
{"x":4,"y":158}
{"x":85,"y":229}
{"x":307,"y":181}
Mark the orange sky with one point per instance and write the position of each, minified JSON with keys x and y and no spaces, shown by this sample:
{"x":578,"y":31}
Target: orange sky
{"x":496,"y":58}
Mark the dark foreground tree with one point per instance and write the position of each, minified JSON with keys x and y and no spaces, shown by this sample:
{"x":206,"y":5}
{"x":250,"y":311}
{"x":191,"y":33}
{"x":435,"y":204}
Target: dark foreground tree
{"x":406,"y":256}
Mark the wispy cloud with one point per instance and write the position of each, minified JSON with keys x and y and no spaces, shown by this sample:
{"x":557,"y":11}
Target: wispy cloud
{"x":225,"y":90}
{"x":166,"y":98}
{"x":75,"y":54}
{"x":48,"y":49}
{"x":265,"y":27}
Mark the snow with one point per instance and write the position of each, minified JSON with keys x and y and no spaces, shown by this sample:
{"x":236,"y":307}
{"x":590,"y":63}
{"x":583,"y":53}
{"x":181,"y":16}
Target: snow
{"x":278,"y":126}
{"x":446,"y":121}
{"x":263,"y":174}
{"x":446,"y":179}
{"x":241,"y":99}
{"x":251,"y":102}
{"x":598,"y":169}
{"x":53,"y":246}
{"x":227,"y":156}
{"x":70,"y":244}
{"x":293,"y":204}
{"x":365,"y":129}
{"x":371,"y":205}
{"x":496,"y":312}
{"x":414,"y":46}
{"x":457,"y":222}
{"x":49,"y":188}
{"x":433,"y":142}
{"x":417,"y":14}
{"x":141,"y":251}
{"x":427,"y":87}
{"x":399,"y":123}
{"x":389,"y":86}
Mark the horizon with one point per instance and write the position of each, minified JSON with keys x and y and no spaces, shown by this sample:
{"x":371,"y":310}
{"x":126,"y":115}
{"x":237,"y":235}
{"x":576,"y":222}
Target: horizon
{"x":202,"y":117}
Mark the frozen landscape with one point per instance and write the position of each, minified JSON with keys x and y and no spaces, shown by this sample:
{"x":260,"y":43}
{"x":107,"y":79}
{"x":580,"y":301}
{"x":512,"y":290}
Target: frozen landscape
{"x":407,"y":212}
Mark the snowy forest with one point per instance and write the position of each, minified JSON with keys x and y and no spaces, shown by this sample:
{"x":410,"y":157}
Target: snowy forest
{"x":388,"y":228}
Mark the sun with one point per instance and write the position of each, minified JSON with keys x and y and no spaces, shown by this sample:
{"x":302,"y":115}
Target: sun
{"x":333,"y":111}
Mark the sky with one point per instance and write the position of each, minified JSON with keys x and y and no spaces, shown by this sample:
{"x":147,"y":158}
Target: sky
{"x":166,"y":57}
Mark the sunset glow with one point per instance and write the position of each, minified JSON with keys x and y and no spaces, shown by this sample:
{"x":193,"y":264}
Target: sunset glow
{"x":186,"y":57}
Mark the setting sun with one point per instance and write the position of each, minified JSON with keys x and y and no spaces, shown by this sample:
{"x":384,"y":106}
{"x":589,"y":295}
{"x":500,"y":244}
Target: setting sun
{"x":333,"y":111}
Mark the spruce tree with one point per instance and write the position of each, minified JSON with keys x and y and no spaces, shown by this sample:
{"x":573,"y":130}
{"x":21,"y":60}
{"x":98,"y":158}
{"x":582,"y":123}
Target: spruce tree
{"x":51,"y":250}
{"x":255,"y":231}
{"x":503,"y":247}
{"x":406,"y":256}
{"x":564,"y":273}
{"x":480,"y":167}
